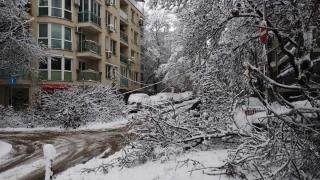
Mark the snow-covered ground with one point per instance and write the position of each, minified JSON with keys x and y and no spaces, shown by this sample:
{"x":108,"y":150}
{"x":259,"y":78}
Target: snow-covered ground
{"x":157,"y":170}
{"x":121,"y":121}
{"x":5,"y":149}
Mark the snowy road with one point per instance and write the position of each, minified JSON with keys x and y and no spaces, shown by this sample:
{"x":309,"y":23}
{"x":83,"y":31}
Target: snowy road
{"x":73,"y":147}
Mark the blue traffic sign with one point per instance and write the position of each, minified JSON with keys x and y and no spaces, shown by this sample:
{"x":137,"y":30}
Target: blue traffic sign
{"x":12,"y":79}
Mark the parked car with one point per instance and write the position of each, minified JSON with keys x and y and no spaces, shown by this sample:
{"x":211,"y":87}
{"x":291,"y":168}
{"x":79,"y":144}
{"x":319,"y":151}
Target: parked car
{"x":137,"y":101}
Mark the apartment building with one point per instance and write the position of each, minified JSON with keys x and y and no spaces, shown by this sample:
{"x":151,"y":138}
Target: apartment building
{"x":281,"y":70}
{"x":90,"y":41}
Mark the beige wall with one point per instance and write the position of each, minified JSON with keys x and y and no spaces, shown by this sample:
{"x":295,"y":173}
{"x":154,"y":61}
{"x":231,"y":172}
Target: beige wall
{"x":98,"y":37}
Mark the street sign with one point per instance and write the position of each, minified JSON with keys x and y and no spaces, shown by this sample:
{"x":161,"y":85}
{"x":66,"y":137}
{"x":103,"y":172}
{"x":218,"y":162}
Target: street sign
{"x":12,"y":79}
{"x":263,"y":32}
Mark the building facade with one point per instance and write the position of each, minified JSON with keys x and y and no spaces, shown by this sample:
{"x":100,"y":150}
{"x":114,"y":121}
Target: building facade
{"x":281,"y":70}
{"x":90,"y":41}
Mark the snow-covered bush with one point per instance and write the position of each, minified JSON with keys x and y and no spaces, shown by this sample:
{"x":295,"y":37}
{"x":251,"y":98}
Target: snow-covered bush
{"x":76,"y":106}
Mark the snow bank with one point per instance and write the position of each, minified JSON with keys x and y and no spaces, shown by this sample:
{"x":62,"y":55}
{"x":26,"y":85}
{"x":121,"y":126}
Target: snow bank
{"x":118,"y":122}
{"x":5,"y":149}
{"x":163,"y":97}
{"x":152,"y":170}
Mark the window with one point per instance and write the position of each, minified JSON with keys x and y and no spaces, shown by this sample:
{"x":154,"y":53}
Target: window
{"x":43,"y":65}
{"x":113,"y":2}
{"x":108,"y":18}
{"x":95,"y":8}
{"x":115,"y":23}
{"x":57,"y":68}
{"x":109,"y":72}
{"x":132,"y":53}
{"x":43,"y":34}
{"x":56,"y":63}
{"x":82,"y":65}
{"x":107,"y":43}
{"x":123,"y":71}
{"x":56,"y":32}
{"x":55,"y":36}
{"x":67,"y":64}
{"x":57,"y":8}
{"x":132,"y":16}
{"x":113,"y":45}
{"x":135,"y":40}
{"x":135,"y":76}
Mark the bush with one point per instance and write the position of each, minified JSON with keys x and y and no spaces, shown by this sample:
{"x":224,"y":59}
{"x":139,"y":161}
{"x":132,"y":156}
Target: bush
{"x":77,"y":105}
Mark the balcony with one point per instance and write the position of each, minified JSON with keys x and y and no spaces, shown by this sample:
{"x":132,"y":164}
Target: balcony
{"x":56,"y":75}
{"x":123,"y":15}
{"x":123,"y":59}
{"x":89,"y":75}
{"x":19,"y":73}
{"x":124,"y":82}
{"x":89,"y":49}
{"x":123,"y":37}
{"x":85,"y":21}
{"x":135,"y":4}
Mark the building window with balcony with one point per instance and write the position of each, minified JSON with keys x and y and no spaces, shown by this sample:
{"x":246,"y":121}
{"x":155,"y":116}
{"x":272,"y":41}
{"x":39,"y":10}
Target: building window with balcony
{"x":57,"y":69}
{"x":113,"y":2}
{"x":89,"y":11}
{"x":109,"y":71}
{"x":55,"y":36}
{"x":113,"y":45}
{"x":56,"y":8}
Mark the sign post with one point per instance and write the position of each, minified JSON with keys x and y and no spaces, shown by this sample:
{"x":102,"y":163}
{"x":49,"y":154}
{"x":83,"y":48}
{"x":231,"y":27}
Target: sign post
{"x":12,"y":80}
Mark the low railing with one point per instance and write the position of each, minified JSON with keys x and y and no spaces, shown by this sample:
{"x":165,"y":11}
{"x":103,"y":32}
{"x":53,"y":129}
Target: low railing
{"x":124,"y":82}
{"x":89,"y":17}
{"x":89,"y":46}
{"x":123,"y":37}
{"x":89,"y":75}
{"x":123,"y":58}
{"x":4,"y":73}
{"x":123,"y":15}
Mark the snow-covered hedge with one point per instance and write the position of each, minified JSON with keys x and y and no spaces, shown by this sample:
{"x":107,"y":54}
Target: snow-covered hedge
{"x":68,"y":108}
{"x":77,"y":105}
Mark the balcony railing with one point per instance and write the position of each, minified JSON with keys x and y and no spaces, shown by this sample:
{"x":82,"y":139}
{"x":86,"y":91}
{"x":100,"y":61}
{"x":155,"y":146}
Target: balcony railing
{"x":89,"y":75}
{"x":89,"y":46}
{"x":123,"y":37}
{"x":135,"y":3}
{"x":4,"y":73}
{"x":89,"y":17}
{"x":123,"y":15}
{"x":124,"y":82}
{"x":123,"y":58}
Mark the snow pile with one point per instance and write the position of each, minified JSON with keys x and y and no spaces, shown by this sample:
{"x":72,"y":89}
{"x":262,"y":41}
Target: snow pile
{"x":176,"y":97}
{"x":169,"y":170}
{"x":5,"y":149}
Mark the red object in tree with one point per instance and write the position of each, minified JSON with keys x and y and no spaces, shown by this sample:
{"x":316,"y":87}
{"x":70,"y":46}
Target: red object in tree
{"x":263,"y":32}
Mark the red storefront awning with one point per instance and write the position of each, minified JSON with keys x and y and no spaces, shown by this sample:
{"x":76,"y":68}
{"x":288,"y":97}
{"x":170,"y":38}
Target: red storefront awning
{"x":54,"y":86}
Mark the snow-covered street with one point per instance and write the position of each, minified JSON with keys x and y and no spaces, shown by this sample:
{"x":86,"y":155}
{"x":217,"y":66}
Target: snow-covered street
{"x":26,"y":161}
